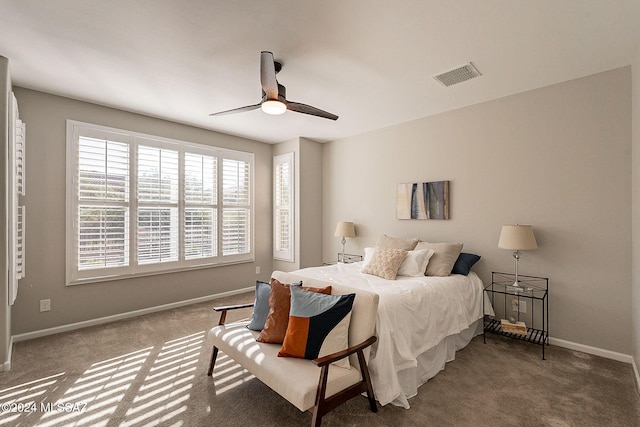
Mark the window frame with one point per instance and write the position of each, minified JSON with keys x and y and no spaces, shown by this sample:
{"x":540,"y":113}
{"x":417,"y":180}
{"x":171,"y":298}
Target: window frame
{"x":280,"y":255}
{"x":76,"y":276}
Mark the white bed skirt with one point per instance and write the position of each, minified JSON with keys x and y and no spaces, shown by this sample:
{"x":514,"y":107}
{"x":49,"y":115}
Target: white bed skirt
{"x":433,"y":361}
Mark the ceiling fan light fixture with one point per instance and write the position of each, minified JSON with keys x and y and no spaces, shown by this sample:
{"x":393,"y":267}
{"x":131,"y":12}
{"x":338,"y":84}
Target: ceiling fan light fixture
{"x":273,"y":107}
{"x":274,"y":99}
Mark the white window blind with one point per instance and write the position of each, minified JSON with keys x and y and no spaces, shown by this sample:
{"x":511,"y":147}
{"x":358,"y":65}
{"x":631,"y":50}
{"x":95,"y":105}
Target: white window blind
{"x":200,"y":198}
{"x":20,"y":147}
{"x":20,"y":242}
{"x":15,"y":188}
{"x":236,"y":196}
{"x":102,"y":214}
{"x":283,"y":199}
{"x":139,"y":204}
{"x":157,"y":222}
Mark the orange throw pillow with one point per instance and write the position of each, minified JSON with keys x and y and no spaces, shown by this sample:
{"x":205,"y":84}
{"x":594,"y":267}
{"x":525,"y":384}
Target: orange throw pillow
{"x":275,"y":327}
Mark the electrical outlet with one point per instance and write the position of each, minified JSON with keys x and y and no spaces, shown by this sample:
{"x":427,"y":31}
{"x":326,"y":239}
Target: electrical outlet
{"x":45,"y":305}
{"x":518,"y":306}
{"x":257,"y":270}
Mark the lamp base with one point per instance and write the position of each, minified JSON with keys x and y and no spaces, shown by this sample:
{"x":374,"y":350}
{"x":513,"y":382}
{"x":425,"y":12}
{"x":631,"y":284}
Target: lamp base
{"x":344,"y":241}
{"x":517,"y":287}
{"x":516,"y":256}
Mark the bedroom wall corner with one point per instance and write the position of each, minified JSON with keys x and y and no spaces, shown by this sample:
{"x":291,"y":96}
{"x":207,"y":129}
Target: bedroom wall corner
{"x":635,"y":186}
{"x":5,"y":308}
{"x":308,"y":203}
{"x":291,"y":146}
{"x":46,"y":116}
{"x":557,"y":157}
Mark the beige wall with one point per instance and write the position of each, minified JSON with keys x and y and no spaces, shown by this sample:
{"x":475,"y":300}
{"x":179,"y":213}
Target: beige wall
{"x":310,"y":203}
{"x":558,"y":157}
{"x":636,"y":208}
{"x":5,"y":309}
{"x":46,"y":117}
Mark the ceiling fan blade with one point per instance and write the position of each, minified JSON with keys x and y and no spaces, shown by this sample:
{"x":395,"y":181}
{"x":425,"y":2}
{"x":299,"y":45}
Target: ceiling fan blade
{"x":268,"y":75}
{"x":308,"y":109}
{"x":236,"y":110}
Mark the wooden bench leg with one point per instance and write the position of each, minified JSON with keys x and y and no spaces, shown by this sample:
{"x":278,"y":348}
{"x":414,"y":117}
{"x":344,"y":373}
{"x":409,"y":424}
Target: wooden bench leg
{"x":319,"y":408}
{"x":324,"y":405}
{"x":366,"y":378}
{"x":214,"y":354}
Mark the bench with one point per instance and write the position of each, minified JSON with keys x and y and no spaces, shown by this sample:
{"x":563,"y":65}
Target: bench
{"x":313,"y":385}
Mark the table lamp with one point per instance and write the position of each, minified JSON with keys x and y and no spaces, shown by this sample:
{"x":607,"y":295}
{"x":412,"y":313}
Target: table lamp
{"x":344,"y":229}
{"x":517,"y":238}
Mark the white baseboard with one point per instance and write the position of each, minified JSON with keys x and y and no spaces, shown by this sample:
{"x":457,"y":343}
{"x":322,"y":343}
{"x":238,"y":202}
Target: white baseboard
{"x":635,"y":371}
{"x":620,"y":357}
{"x":121,"y":316}
{"x":6,"y":366}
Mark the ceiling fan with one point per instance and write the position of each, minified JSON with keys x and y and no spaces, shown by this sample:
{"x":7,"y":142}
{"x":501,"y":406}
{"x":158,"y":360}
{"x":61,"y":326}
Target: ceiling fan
{"x":274,"y":99}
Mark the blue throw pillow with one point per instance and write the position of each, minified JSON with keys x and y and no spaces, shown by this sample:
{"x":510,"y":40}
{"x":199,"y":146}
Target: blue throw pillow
{"x":464,"y":263}
{"x":260,"y":306}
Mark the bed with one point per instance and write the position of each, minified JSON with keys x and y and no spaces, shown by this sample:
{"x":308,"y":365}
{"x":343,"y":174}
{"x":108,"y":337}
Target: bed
{"x":421,"y":323}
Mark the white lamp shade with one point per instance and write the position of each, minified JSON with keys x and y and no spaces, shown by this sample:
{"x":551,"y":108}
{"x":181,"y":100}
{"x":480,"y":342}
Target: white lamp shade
{"x":345,"y":229}
{"x":274,"y":107}
{"x":517,"y":237}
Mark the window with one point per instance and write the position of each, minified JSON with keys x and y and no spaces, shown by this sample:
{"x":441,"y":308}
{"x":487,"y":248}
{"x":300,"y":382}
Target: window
{"x":200,"y":215}
{"x":283,"y":245}
{"x":138,"y":204}
{"x":157,"y":217}
{"x":15,"y":210}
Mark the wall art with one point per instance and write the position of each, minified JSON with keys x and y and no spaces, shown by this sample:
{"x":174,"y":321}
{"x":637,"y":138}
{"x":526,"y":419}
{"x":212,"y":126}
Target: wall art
{"x":423,"y":200}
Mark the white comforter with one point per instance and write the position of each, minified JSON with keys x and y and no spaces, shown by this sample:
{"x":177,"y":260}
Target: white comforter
{"x":414,"y":315}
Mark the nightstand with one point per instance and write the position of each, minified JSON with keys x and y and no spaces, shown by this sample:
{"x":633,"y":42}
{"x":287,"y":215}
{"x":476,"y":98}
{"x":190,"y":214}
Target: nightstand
{"x":510,"y":301}
{"x":348,"y":259}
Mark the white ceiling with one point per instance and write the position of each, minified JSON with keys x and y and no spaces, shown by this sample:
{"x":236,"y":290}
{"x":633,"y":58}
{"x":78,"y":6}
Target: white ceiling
{"x":370,"y":62}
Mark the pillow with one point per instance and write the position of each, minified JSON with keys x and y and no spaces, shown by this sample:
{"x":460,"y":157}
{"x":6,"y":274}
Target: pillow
{"x":395,"y":243}
{"x":318,"y":326}
{"x":443,"y":258}
{"x":275,"y":327}
{"x":464,"y":263}
{"x":415,"y":263}
{"x":385,"y":262}
{"x":368,"y":253}
{"x":260,"y":306}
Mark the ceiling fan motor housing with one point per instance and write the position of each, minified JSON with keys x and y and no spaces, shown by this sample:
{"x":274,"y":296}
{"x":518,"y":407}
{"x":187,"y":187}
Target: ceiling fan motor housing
{"x":282,"y":94}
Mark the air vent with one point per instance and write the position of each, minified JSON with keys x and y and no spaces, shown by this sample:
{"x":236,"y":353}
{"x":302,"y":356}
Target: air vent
{"x":457,"y":75}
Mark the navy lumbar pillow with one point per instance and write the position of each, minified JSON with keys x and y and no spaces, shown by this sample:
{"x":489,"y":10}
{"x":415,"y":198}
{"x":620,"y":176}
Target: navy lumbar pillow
{"x":464,"y":263}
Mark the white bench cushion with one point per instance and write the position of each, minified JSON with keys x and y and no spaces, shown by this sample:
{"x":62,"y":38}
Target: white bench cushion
{"x":294,"y":379}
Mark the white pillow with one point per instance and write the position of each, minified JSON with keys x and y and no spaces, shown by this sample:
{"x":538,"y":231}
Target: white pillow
{"x":368,"y":253}
{"x":415,"y":263}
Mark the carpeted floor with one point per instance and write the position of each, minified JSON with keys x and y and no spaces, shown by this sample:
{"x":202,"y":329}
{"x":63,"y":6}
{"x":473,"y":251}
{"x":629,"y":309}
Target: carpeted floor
{"x":151,"y":370}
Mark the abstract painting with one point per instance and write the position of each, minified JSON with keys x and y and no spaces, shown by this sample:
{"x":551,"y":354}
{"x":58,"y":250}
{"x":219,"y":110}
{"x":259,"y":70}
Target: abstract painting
{"x":423,"y":200}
